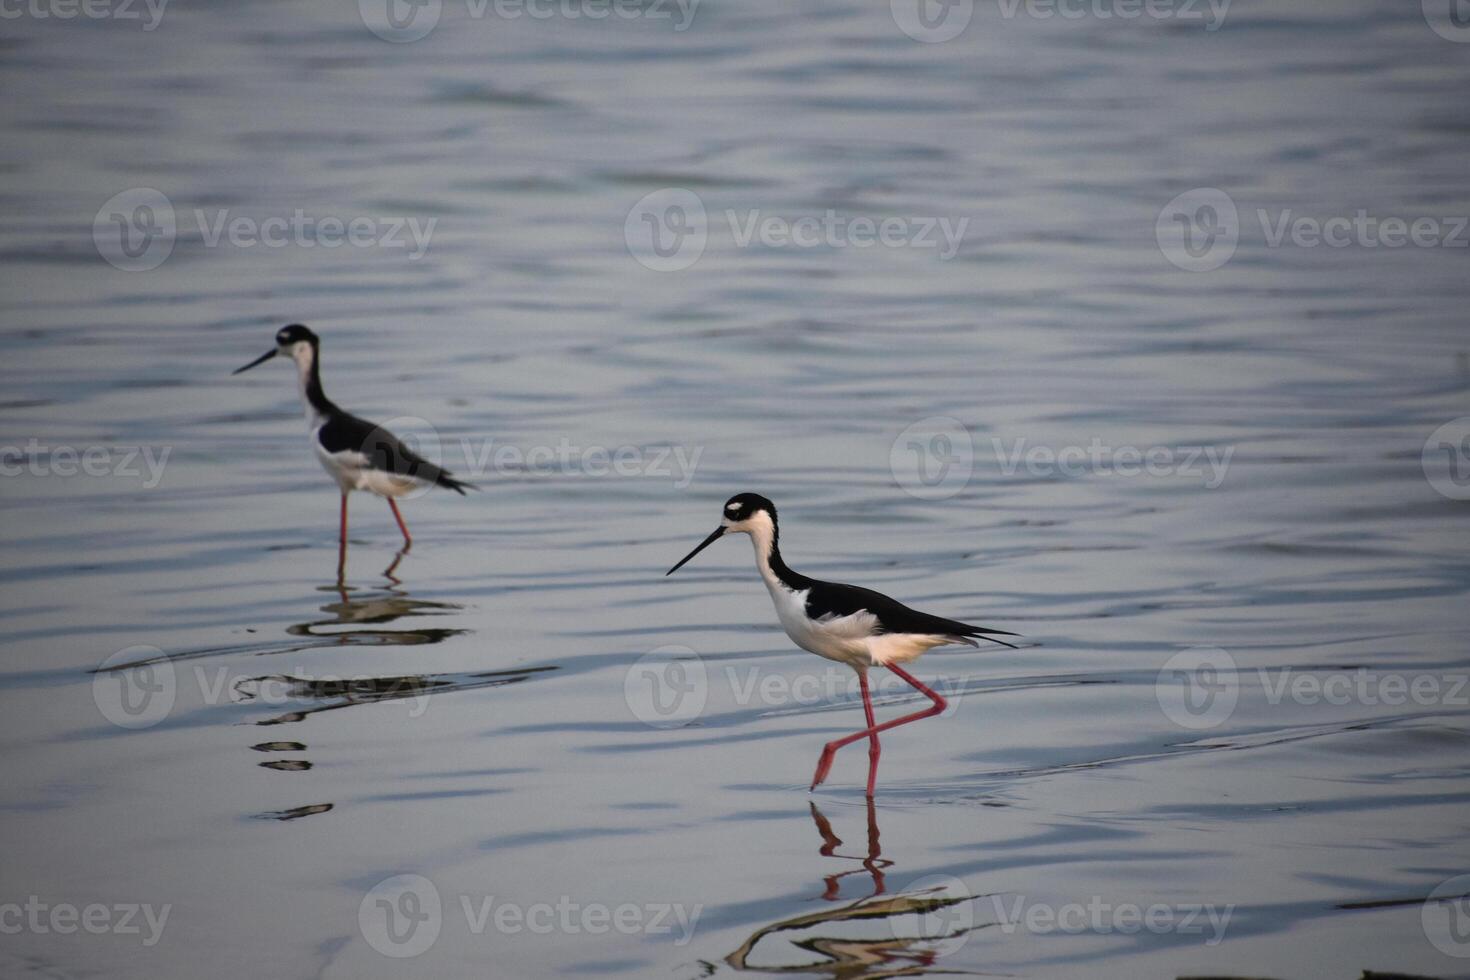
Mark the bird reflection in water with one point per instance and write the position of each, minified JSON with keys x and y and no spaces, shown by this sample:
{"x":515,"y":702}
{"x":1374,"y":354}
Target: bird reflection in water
{"x":359,"y":620}
{"x":863,"y":938}
{"x":367,"y":615}
{"x":376,"y":609}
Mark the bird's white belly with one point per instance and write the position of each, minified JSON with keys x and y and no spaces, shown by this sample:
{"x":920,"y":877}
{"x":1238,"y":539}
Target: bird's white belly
{"x":352,"y":472}
{"x":843,"y":640}
{"x":853,"y":640}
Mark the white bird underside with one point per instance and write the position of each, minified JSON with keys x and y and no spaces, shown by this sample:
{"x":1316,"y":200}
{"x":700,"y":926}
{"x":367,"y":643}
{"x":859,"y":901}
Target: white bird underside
{"x":354,"y":471}
{"x":854,"y":639}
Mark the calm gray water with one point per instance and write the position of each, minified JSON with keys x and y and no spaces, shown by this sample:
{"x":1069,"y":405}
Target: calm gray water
{"x":1235,"y":741}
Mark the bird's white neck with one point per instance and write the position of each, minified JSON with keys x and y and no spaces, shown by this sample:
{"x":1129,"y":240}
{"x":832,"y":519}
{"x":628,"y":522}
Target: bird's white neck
{"x":308,"y":383}
{"x":763,"y":538}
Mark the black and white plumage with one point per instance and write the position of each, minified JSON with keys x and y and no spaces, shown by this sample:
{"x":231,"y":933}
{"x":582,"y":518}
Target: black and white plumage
{"x":846,"y":623}
{"x":358,"y":454}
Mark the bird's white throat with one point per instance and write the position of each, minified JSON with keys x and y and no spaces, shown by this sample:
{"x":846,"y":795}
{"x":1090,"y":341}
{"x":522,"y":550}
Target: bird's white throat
{"x":763,"y":537}
{"x":305,"y":359}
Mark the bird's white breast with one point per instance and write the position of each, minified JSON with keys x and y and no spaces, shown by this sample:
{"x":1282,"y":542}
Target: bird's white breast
{"x":842,"y":639}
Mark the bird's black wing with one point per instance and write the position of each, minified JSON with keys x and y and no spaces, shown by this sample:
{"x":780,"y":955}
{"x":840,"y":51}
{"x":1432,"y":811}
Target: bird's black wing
{"x":382,"y":450}
{"x":833,"y":599}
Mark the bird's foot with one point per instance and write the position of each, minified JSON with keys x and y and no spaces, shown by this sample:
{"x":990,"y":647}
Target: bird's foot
{"x":824,"y":766}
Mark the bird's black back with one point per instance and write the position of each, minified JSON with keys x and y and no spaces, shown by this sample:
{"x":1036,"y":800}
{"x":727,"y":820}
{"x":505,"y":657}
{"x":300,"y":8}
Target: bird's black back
{"x":837,"y":599}
{"x":344,"y":432}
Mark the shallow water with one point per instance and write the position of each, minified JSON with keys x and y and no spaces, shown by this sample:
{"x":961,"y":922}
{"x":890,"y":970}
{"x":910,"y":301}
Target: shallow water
{"x":595,"y":770}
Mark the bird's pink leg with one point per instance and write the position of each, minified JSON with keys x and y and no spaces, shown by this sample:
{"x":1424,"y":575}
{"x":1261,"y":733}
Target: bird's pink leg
{"x":874,"y":749}
{"x":407,"y":538}
{"x":342,"y":544}
{"x":824,"y":764}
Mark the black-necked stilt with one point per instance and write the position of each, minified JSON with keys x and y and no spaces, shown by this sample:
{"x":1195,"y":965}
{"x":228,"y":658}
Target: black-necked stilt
{"x":845,"y":623}
{"x":356,"y":453}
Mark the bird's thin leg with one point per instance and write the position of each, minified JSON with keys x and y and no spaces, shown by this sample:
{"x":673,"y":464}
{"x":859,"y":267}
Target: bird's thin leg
{"x":824,"y":764}
{"x":407,"y":538}
{"x":874,"y":749}
{"x":342,"y":544}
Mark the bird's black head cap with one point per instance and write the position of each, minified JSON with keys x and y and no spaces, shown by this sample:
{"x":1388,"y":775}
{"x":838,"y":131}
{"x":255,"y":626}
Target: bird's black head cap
{"x":294,"y":333}
{"x":745,"y":505}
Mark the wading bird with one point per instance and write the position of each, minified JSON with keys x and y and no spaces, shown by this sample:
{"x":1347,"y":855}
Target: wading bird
{"x":845,"y":623}
{"x":356,"y":453}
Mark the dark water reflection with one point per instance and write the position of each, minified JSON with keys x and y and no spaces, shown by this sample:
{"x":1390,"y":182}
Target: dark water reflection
{"x":863,"y":937}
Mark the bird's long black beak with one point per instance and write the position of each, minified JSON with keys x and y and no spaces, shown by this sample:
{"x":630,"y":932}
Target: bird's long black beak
{"x":715,"y":536}
{"x":259,"y":360}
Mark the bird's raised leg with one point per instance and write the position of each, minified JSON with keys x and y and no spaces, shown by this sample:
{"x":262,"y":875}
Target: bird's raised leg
{"x":407,"y":538}
{"x":342,"y":544}
{"x":824,"y":764}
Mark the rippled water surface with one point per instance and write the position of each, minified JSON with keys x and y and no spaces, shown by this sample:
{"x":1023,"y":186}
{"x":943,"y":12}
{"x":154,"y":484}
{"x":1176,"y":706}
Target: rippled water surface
{"x":489,"y":717}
